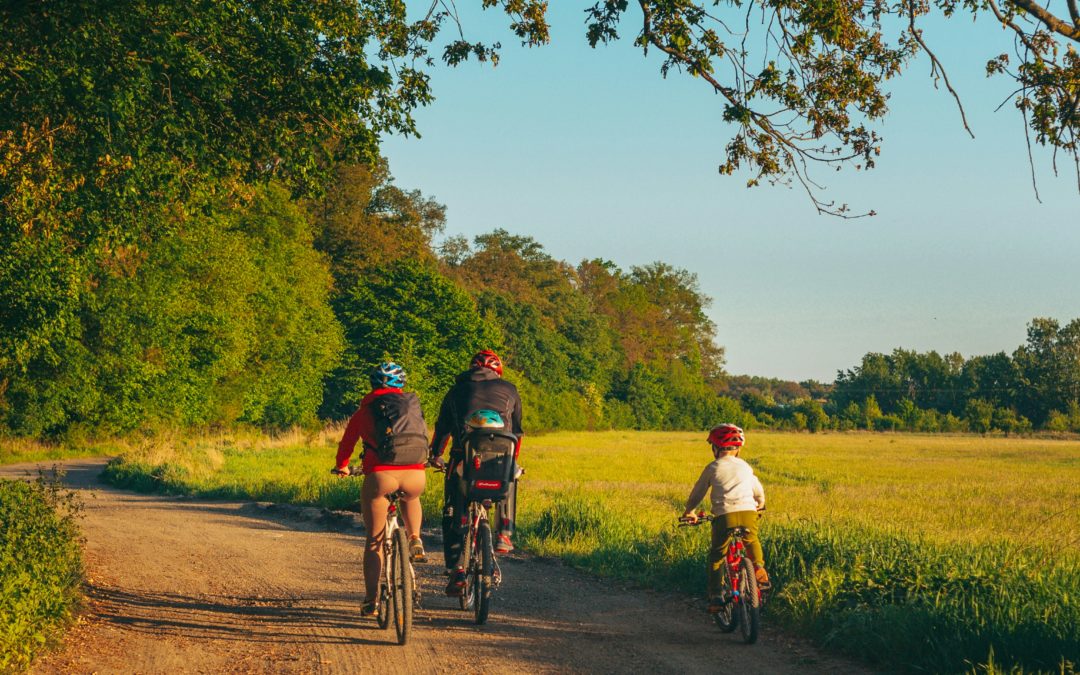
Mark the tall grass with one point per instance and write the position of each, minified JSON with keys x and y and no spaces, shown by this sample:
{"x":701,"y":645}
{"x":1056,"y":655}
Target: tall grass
{"x":927,"y":553}
{"x":291,"y":467}
{"x":17,"y":450}
{"x":40,"y":568}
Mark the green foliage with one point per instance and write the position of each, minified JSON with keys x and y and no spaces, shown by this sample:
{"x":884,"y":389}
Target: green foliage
{"x":123,"y":120}
{"x":40,"y":567}
{"x":980,"y":415}
{"x":409,"y":312}
{"x":226,"y":321}
{"x":929,"y":392}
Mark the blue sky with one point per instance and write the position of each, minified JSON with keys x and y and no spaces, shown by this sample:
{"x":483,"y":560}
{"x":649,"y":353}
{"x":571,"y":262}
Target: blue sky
{"x":595,"y":155}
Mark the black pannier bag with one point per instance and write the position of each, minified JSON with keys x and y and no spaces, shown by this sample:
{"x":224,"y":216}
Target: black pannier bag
{"x":400,"y":429}
{"x":489,"y":464}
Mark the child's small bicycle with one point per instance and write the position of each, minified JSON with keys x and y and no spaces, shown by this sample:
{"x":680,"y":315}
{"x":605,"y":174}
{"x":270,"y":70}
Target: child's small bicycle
{"x":742,"y":599}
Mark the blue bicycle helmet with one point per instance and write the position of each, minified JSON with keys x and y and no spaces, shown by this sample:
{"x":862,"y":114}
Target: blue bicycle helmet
{"x":485,"y":419}
{"x":387,"y":374}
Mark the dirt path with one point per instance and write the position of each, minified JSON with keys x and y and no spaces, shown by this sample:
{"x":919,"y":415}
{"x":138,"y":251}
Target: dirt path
{"x":178,"y":585}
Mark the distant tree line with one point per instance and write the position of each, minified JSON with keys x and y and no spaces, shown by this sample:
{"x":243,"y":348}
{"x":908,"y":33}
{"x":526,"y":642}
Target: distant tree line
{"x":1036,"y":387}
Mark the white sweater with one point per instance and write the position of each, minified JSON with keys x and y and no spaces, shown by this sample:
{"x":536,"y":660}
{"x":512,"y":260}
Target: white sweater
{"x":734,"y":487}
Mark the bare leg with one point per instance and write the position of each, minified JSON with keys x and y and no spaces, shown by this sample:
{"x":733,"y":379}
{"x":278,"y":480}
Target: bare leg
{"x":413,"y":483}
{"x":374,"y":512}
{"x":376,"y":486}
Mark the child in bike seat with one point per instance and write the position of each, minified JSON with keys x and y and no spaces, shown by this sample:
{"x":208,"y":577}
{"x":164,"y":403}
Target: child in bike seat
{"x":737,"y":496}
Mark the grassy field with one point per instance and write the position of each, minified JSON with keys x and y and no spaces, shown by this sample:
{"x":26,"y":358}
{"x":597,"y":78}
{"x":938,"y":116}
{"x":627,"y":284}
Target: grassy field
{"x":925,"y":553}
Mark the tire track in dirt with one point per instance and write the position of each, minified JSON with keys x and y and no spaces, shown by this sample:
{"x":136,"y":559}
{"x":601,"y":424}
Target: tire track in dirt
{"x":186,"y":586}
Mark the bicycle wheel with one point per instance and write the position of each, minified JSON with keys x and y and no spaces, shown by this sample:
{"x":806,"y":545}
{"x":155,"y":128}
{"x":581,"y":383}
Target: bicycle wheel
{"x":466,"y":599}
{"x":727,"y":619}
{"x":383,"y":617}
{"x":749,"y":603}
{"x":484,"y":569}
{"x":402,"y":586}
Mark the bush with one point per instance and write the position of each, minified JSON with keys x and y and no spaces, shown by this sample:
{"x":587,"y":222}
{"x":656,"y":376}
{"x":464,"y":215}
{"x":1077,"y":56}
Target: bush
{"x":888,"y":423}
{"x":40,"y":567}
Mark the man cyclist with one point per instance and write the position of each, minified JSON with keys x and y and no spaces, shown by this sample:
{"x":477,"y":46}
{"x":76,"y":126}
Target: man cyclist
{"x":479,"y":388}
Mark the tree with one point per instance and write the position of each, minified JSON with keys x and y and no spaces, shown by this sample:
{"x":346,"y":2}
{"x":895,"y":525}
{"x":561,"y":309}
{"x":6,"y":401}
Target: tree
{"x":980,"y":415}
{"x":121,"y":121}
{"x":871,"y":411}
{"x":409,"y":312}
{"x":228,"y":321}
{"x":802,"y":83}
{"x":814,"y":414}
{"x":363,"y":221}
{"x":1049,"y":365}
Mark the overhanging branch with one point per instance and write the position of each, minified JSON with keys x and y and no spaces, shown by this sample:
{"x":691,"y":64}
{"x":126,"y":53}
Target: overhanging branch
{"x":1071,"y":31}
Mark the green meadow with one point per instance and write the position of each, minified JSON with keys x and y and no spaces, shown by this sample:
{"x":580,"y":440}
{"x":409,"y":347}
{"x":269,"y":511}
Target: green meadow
{"x":921,"y":553}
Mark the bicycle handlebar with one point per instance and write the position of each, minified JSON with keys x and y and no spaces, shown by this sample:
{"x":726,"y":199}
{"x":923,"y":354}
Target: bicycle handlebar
{"x":703,"y":517}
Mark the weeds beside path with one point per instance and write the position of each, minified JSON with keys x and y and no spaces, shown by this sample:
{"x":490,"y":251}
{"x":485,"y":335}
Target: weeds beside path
{"x":40,"y":567}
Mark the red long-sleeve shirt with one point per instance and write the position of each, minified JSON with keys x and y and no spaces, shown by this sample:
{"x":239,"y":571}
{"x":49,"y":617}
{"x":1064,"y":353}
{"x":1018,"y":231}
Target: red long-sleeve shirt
{"x":361,"y":426}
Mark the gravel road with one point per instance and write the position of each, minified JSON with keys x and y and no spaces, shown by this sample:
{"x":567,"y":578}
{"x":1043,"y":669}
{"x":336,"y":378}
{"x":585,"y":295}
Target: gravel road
{"x":186,"y":586}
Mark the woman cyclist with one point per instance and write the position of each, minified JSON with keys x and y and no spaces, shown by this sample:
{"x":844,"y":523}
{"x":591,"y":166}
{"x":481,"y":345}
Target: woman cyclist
{"x":383,"y":475}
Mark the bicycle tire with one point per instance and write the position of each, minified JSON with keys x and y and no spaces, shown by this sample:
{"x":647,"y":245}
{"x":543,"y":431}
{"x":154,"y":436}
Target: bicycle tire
{"x":484,"y":571}
{"x":727,"y":619}
{"x":466,"y":598}
{"x":383,"y":616}
{"x":402,"y":586}
{"x":749,"y":603}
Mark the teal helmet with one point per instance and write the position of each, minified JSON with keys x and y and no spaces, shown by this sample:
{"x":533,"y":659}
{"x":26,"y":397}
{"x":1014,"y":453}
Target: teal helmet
{"x":485,"y":419}
{"x":387,"y":374}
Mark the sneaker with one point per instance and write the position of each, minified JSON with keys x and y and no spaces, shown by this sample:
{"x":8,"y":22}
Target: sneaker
{"x":455,"y":588}
{"x":716,"y":605}
{"x":369,"y":608}
{"x":503,"y":544}
{"x":416,"y":551}
{"x":762,"y":579}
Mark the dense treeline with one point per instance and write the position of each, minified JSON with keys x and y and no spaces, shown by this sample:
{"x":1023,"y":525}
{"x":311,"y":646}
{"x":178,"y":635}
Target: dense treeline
{"x":591,"y":346}
{"x":1037,"y":387}
{"x":196,"y":229}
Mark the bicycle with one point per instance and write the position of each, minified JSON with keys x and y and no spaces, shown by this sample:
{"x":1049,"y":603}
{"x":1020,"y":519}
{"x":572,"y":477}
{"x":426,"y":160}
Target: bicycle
{"x":399,"y":593}
{"x":482,"y":573}
{"x":742,"y":599}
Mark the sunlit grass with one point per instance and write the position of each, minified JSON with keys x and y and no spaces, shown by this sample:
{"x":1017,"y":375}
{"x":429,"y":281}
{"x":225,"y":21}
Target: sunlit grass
{"x":920,"y":552}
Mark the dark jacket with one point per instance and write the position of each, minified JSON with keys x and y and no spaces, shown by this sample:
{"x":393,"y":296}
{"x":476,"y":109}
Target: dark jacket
{"x":475,"y":389}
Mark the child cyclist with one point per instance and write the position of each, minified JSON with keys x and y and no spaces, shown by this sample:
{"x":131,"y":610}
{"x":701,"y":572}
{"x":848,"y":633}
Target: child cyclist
{"x":737,"y":496}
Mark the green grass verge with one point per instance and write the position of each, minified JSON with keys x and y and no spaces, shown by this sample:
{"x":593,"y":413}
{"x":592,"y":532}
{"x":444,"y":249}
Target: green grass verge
{"x":922,"y":553}
{"x":40,"y":568}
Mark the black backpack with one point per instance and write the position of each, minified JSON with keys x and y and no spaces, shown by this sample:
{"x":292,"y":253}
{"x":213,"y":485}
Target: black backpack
{"x":400,"y":432}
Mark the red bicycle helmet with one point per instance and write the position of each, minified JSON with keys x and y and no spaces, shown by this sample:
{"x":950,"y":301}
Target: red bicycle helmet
{"x":727,"y":436}
{"x":488,"y":359}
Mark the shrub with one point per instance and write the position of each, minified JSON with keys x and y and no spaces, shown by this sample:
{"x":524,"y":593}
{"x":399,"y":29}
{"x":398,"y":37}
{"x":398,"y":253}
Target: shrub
{"x":40,"y":567}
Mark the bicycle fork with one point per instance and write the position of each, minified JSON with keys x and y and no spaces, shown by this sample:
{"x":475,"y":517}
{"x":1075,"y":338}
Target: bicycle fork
{"x":735,"y":554}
